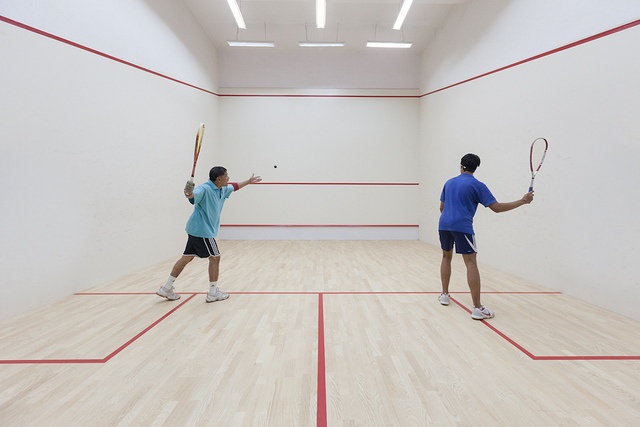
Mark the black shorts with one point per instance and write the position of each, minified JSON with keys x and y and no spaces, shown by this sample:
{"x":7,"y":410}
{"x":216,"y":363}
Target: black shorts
{"x":202,"y":247}
{"x":464,"y":243}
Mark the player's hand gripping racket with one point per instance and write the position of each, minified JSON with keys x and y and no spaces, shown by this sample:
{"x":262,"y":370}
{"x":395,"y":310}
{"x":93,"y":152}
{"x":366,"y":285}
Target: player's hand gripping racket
{"x":196,"y":151}
{"x":536,"y":156}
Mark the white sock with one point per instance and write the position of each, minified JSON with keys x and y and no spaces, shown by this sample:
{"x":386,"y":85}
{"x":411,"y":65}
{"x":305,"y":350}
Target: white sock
{"x":213,"y":286}
{"x":169,"y":283}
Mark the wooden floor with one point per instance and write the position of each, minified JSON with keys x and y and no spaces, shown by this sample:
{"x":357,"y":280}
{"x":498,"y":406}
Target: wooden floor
{"x":319,"y":333}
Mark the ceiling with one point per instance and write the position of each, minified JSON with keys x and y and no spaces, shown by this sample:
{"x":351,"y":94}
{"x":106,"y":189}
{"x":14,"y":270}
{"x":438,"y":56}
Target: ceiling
{"x":287,"y":22}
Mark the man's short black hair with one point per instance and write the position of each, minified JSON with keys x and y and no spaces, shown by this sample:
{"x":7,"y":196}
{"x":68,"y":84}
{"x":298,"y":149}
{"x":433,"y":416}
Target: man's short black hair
{"x":470,"y":162}
{"x":216,"y":171}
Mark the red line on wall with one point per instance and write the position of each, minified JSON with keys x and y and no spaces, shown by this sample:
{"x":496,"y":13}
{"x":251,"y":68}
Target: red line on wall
{"x":322,"y":225}
{"x":97,"y":52}
{"x":147,"y":70}
{"x":294,"y":95}
{"x":541,"y":55}
{"x":336,"y":183}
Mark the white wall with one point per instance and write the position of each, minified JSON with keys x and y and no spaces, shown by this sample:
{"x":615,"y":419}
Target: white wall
{"x":315,"y":145}
{"x":362,"y":127}
{"x":481,"y":36}
{"x":93,"y":149}
{"x":161,"y":35}
{"x":386,"y":69}
{"x":94,"y":152}
{"x":579,"y":235}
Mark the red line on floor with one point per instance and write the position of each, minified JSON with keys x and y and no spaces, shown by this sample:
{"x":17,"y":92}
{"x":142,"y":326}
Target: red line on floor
{"x":533,"y":356}
{"x":321,"y":415}
{"x":110,"y":356}
{"x":48,"y":361}
{"x":147,"y":329}
{"x":322,"y":409}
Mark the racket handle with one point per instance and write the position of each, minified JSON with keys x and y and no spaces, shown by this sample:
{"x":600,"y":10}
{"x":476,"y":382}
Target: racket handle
{"x":530,"y":189}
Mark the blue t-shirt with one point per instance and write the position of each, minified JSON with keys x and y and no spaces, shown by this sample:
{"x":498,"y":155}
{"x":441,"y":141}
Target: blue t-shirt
{"x":461,"y":196}
{"x":208,"y":201}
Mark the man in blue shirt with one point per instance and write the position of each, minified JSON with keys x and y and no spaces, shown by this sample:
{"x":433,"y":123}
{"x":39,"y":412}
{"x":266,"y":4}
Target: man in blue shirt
{"x":458,"y":203}
{"x":202,"y":228}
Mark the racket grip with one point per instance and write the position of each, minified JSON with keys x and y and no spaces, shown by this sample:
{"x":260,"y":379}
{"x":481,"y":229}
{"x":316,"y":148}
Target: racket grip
{"x":530,"y":189}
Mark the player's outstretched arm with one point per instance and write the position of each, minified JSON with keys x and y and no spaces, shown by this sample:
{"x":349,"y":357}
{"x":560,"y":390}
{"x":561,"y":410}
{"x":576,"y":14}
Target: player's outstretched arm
{"x":498,"y":207}
{"x":251,"y":180}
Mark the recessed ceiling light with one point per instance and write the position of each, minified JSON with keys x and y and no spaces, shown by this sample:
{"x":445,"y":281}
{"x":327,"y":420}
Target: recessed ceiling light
{"x":235,"y":9}
{"x":406,"y":4}
{"x":321,"y":13}
{"x":392,"y":45}
{"x":239,"y":43}
{"x":321,"y":44}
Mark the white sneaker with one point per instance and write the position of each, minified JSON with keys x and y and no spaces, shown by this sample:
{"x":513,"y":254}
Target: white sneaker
{"x":444,"y":299}
{"x":216,"y":294}
{"x":482,"y":313}
{"x":168,"y":294}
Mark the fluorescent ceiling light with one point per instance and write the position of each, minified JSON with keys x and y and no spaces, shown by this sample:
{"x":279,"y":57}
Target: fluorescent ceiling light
{"x":239,"y":43}
{"x":321,"y":13}
{"x":406,"y":4}
{"x":321,"y":44}
{"x":393,"y":45}
{"x":235,"y":9}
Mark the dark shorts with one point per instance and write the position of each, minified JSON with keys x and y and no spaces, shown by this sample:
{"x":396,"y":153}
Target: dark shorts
{"x":464,"y":243}
{"x":202,"y":247}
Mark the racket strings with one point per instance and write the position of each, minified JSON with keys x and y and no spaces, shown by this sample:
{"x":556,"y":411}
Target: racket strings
{"x":537,"y":153}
